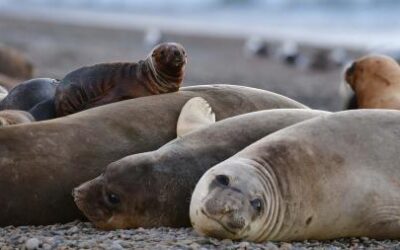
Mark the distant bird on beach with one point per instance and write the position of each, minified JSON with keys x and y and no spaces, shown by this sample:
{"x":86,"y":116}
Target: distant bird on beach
{"x":289,"y":52}
{"x":256,"y":47}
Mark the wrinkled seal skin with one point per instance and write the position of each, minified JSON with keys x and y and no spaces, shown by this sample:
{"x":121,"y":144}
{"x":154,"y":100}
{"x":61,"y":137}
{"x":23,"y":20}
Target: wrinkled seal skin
{"x":25,"y":96}
{"x":13,"y":117}
{"x":153,"y":189}
{"x":330,"y":177}
{"x":161,"y":72}
{"x":375,"y":80}
{"x":41,"y":165}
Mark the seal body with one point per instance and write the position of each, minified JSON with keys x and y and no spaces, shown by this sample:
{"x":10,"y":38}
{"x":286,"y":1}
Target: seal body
{"x":28,"y":94}
{"x":13,"y":117}
{"x":375,"y":80}
{"x":161,"y":72}
{"x":154,"y":188}
{"x":41,"y":167}
{"x":329,"y":177}
{"x":14,"y":64}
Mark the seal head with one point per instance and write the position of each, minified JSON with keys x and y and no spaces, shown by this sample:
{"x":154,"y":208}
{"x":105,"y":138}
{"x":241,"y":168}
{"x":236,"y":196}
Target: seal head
{"x":375,"y":81}
{"x":232,"y":201}
{"x":167,"y":63}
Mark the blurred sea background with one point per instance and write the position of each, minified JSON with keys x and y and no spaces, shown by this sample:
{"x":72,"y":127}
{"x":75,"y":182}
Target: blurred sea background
{"x":62,"y":35}
{"x":348,"y":22}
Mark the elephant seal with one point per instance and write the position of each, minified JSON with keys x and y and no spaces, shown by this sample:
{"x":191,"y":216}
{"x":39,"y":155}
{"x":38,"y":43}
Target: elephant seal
{"x":161,"y":72}
{"x":15,"y":64}
{"x":330,"y":177}
{"x":28,"y":94}
{"x":153,"y":189}
{"x":375,"y":80}
{"x":41,"y":162}
{"x":13,"y":117}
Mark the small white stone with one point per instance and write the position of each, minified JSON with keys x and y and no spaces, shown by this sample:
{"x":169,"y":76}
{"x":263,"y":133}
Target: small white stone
{"x":32,"y":243}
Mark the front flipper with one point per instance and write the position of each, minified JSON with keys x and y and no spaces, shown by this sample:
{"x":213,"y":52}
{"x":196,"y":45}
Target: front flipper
{"x":195,"y":114}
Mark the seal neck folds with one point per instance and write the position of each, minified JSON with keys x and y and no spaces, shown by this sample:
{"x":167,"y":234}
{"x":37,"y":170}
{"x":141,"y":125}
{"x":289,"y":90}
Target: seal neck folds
{"x":160,"y":81}
{"x":269,"y":225}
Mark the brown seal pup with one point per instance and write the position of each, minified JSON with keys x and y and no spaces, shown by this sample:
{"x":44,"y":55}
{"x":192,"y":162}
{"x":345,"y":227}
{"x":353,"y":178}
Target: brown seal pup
{"x":41,"y":162}
{"x":13,"y":117}
{"x":161,"y":72}
{"x":15,"y":64}
{"x":153,"y":189}
{"x":375,"y":80}
{"x":330,"y":177}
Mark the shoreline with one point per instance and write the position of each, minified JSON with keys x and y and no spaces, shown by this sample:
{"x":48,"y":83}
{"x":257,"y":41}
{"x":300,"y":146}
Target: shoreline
{"x":132,"y":21}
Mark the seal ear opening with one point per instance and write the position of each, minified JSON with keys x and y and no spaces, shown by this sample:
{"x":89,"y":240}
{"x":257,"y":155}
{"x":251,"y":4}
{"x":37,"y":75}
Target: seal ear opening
{"x":195,"y":114}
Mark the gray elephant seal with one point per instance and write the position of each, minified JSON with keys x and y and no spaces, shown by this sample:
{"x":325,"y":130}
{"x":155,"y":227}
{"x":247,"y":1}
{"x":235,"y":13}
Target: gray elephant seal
{"x":13,"y":117}
{"x":41,"y":162}
{"x":329,"y":177}
{"x":153,"y":189}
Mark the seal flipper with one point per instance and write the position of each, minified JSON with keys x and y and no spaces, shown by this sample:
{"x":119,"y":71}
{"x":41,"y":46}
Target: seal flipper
{"x":195,"y":114}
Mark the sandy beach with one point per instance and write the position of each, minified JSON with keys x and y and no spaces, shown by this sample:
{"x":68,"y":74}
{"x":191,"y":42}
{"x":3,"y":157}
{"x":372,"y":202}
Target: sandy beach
{"x":56,"y":49}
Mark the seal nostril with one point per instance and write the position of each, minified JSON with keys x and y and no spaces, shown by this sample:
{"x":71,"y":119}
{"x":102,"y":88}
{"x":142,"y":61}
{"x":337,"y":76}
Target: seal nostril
{"x":222,"y":179}
{"x":176,"y":53}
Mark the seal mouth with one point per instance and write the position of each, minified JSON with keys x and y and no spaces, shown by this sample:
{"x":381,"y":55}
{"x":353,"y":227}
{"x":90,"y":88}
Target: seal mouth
{"x":218,"y":222}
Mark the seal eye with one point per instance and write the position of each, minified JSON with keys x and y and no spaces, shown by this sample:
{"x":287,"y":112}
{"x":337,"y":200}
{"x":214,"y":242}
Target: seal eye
{"x":257,"y":205}
{"x":222,"y":179}
{"x":113,"y":198}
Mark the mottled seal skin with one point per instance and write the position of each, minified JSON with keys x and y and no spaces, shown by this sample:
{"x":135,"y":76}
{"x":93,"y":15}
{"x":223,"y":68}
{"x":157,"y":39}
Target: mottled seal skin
{"x":330,"y":177}
{"x":161,"y":72}
{"x":375,"y":80}
{"x":15,"y":64}
{"x":14,"y":117}
{"x":25,"y":96}
{"x":153,"y":189}
{"x":41,"y":162}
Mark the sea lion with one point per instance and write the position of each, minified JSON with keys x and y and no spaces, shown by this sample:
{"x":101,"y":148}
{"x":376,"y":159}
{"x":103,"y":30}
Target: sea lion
{"x":330,"y":177}
{"x":13,"y":117}
{"x":15,"y":64}
{"x":28,"y":94}
{"x":375,"y":80}
{"x":161,"y":72}
{"x":41,"y":162}
{"x":153,"y":189}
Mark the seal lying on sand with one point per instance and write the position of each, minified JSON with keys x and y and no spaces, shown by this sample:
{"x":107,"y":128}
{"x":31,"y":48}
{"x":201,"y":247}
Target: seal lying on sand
{"x":329,"y":177}
{"x":40,"y":163}
{"x":375,"y":81}
{"x":15,"y":64}
{"x":153,"y":189}
{"x":28,"y":94}
{"x":161,"y":72}
{"x":13,"y":117}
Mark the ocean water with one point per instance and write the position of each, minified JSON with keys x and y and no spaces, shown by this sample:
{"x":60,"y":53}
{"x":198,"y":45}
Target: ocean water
{"x":354,"y":20}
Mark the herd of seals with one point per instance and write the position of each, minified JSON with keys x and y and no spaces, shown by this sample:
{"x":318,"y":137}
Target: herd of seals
{"x":138,"y":150}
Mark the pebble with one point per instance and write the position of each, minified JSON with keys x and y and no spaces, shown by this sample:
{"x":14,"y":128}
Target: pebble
{"x":32,"y":243}
{"x":78,"y":235}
